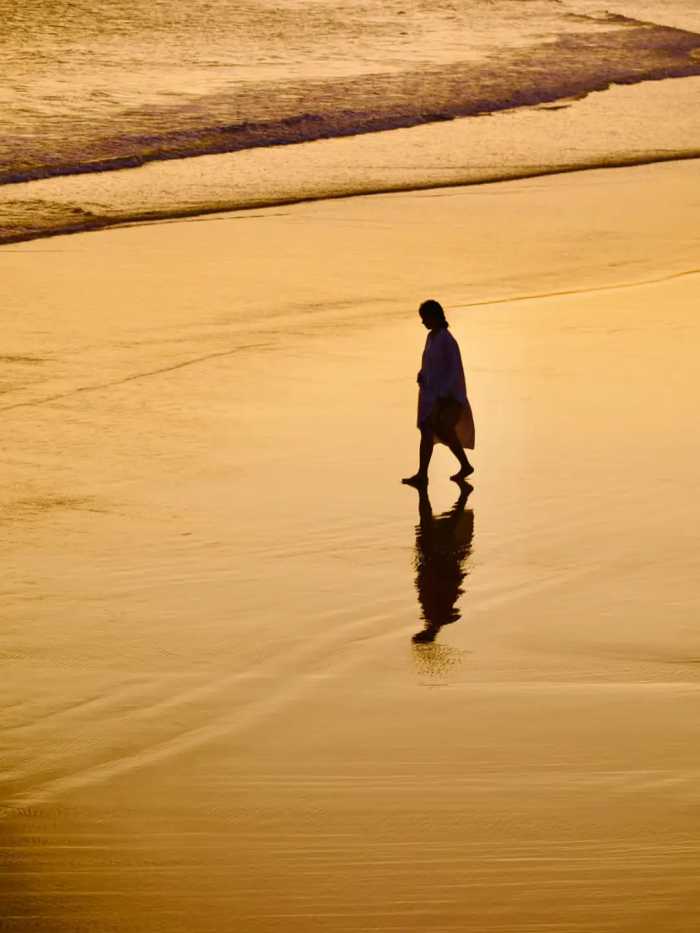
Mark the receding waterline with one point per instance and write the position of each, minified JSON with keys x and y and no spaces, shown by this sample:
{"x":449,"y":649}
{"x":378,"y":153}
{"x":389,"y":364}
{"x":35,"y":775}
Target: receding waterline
{"x":96,"y":223}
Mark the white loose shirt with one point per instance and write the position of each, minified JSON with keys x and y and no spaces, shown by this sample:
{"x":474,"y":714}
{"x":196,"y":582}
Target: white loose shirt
{"x":442,"y":374}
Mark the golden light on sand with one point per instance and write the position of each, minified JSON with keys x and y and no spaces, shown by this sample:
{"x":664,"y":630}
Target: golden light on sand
{"x":251,"y":682}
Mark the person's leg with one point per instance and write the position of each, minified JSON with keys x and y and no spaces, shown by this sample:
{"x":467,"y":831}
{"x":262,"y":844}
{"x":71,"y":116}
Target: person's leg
{"x":427,"y":442}
{"x":466,"y":469}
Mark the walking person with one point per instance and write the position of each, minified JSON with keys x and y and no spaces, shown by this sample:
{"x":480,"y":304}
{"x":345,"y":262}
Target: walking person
{"x":444,"y":413}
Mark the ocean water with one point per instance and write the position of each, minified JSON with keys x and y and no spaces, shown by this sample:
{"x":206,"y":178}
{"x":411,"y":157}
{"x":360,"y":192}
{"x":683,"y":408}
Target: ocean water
{"x":113,"y":85}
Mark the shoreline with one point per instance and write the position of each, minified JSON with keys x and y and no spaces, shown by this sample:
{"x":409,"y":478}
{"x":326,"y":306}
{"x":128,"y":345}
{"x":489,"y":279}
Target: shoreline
{"x":629,"y":53}
{"x":624,"y":126}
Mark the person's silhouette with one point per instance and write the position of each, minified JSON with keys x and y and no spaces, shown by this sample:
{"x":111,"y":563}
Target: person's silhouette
{"x":443,"y":543}
{"x":444,"y":412}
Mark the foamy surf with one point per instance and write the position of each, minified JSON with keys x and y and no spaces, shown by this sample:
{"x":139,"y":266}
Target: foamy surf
{"x":564,"y":66}
{"x":623,"y":126}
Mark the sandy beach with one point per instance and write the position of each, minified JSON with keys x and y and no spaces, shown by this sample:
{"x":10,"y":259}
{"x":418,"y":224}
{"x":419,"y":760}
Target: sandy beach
{"x":212,"y":714}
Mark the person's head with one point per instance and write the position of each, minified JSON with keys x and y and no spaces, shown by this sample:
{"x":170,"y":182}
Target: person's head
{"x":432,"y":315}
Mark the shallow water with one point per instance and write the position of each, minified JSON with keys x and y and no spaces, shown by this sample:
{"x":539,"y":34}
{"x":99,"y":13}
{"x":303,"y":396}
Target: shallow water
{"x":124,"y":79}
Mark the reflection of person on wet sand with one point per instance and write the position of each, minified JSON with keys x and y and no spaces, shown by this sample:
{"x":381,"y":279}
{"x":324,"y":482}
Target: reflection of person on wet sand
{"x":443,"y":543}
{"x":444,"y":413}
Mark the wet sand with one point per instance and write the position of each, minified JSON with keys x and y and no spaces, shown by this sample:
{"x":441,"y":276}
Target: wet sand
{"x":213,"y":715}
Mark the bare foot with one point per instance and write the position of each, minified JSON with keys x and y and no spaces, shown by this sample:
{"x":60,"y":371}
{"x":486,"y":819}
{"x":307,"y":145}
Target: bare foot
{"x":462,"y":474}
{"x":419,"y":481}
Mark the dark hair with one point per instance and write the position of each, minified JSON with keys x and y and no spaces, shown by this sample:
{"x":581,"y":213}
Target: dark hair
{"x":433,"y":309}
